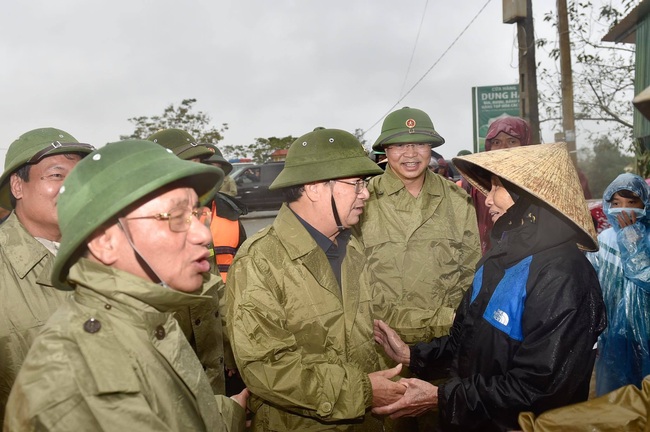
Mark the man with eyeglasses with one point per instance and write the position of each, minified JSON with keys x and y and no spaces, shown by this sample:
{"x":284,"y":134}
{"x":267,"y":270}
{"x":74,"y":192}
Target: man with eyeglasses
{"x":35,"y":167}
{"x":113,"y":357}
{"x":420,"y":235}
{"x":202,"y":323}
{"x":299,"y":309}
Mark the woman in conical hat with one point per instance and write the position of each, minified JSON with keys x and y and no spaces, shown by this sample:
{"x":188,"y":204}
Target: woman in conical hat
{"x":523,"y":337}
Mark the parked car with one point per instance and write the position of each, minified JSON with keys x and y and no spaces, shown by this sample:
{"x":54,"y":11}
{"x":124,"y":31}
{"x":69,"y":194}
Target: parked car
{"x":253,"y":186}
{"x":239,"y":166}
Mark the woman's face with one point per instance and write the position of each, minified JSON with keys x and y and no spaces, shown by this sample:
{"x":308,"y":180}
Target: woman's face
{"x":498,"y":199}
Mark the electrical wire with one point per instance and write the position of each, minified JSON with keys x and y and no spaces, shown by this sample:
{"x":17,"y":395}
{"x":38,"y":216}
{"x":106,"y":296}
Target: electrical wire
{"x":417,"y":38}
{"x":432,"y":66}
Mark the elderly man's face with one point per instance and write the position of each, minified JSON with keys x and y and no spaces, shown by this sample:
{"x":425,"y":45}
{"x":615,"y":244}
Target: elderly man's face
{"x":36,"y":198}
{"x":178,"y":258}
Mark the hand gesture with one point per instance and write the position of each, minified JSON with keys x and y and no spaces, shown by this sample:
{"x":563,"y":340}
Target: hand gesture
{"x":420,"y":397}
{"x":625,"y":219}
{"x":393,"y":345}
{"x":242,"y":397}
{"x":385,"y":391}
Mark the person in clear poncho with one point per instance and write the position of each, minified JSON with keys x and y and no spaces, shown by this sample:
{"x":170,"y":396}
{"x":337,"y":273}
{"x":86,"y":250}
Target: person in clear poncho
{"x":623,"y":266}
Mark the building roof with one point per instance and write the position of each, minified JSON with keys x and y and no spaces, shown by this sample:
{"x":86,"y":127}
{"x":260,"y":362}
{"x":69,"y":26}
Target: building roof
{"x":625,"y":30}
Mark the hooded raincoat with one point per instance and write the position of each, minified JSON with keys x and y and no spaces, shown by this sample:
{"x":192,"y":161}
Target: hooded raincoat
{"x":113,"y":358}
{"x":524,"y":335}
{"x":422,"y":252}
{"x":27,"y":298}
{"x":623,"y":266}
{"x":303,"y":344}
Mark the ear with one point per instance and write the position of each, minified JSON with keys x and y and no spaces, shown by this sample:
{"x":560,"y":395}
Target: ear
{"x":313,"y":191}
{"x":103,"y":244}
{"x":16,"y":185}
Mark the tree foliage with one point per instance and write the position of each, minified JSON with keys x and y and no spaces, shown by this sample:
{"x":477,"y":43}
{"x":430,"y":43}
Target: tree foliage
{"x":602,"y":164}
{"x":183,"y":116}
{"x":603,"y":73}
{"x":260,"y":151}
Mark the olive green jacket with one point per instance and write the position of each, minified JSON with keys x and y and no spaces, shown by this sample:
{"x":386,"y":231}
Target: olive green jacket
{"x":625,"y":409}
{"x":202,"y":324}
{"x":113,"y":358}
{"x":303,"y":345}
{"x":422,"y":252}
{"x":27,"y":298}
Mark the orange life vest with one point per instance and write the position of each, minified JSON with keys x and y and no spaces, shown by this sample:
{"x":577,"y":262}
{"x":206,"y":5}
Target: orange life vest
{"x":225,"y":240}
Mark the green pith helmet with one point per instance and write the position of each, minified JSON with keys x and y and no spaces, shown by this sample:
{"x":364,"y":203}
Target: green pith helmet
{"x":324,"y":154}
{"x":111,"y":179}
{"x":182,"y":144}
{"x":464,"y":153}
{"x":33,"y":146}
{"x":407,"y":125}
{"x":217,"y":158}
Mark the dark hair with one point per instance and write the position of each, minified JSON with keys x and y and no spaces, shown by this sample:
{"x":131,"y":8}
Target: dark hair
{"x":625,"y":194}
{"x":292,"y":193}
{"x":23,"y":173}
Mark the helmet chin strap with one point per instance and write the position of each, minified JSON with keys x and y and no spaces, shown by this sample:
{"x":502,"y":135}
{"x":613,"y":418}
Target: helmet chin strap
{"x":339,"y":225}
{"x":140,"y":256}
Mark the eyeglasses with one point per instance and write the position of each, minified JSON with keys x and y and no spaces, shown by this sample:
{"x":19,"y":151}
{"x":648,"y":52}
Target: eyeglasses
{"x":180,"y":219}
{"x":401,"y":148}
{"x":57,"y":145}
{"x":359,"y":185}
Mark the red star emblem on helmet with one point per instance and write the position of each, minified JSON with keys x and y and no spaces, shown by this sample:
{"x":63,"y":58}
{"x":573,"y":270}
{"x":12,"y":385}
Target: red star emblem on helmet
{"x":410,"y":123}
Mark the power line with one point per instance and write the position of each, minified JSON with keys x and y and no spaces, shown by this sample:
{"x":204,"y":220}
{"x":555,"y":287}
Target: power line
{"x":432,"y":66}
{"x":417,"y":38}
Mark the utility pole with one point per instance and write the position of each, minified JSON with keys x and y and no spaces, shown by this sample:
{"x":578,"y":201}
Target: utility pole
{"x":521,"y":12}
{"x":566,"y":80}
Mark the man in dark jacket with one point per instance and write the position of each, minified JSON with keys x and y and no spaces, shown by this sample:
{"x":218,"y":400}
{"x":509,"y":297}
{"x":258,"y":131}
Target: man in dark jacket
{"x":524,"y":336}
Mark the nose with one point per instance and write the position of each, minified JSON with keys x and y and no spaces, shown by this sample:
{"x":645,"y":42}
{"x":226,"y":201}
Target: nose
{"x":489,"y":199}
{"x":199,"y":233}
{"x":410,"y":149}
{"x":364,"y":194}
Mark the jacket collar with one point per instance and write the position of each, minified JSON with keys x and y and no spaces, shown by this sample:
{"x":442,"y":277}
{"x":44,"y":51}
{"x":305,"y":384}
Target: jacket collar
{"x":25,"y":254}
{"x":128,"y":289}
{"x":300,"y":245}
{"x":391,"y":184}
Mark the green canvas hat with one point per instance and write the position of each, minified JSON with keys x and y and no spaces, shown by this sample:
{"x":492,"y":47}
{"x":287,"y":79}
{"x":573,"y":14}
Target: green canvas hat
{"x":217,"y":158}
{"x":407,"y":125}
{"x":324,"y":154}
{"x":30,"y":148}
{"x":182,"y":144}
{"x":108,"y":181}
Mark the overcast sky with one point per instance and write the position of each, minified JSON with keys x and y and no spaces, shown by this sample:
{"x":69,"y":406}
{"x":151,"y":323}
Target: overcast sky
{"x":267,"y":68}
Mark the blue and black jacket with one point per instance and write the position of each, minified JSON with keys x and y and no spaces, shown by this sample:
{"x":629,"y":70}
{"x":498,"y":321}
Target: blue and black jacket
{"x":524,"y":336}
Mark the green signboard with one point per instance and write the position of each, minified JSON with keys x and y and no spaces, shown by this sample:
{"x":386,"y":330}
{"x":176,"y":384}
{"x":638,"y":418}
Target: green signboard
{"x":490,"y":103}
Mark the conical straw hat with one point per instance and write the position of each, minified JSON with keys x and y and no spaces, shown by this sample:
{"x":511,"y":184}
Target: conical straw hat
{"x":642,"y":102}
{"x":545,"y":172}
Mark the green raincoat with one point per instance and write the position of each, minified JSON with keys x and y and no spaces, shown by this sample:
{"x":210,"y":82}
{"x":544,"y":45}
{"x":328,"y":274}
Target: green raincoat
{"x":202,"y":325}
{"x":27,"y":298}
{"x":304,"y":346}
{"x":624,"y":410}
{"x":422,"y":252}
{"x":113,"y":358}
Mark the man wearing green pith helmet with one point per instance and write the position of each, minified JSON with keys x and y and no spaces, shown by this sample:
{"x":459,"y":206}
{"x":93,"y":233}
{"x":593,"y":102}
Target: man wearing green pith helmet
{"x":112,"y":357}
{"x":419,"y":232}
{"x":35,"y":166}
{"x":299,"y":310}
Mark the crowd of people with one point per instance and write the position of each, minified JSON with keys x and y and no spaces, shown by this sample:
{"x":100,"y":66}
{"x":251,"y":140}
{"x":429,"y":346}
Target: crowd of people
{"x":380,"y":298}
